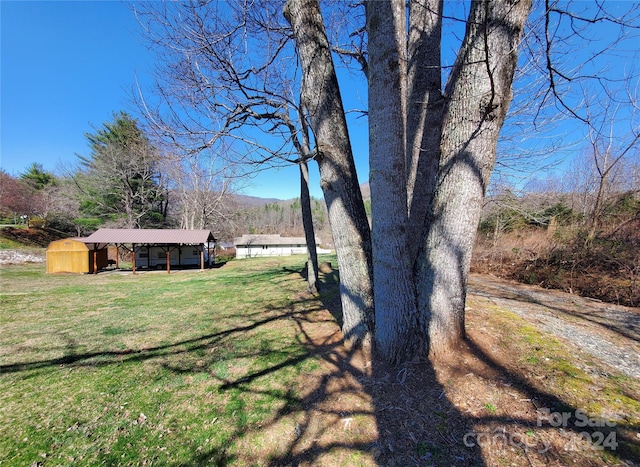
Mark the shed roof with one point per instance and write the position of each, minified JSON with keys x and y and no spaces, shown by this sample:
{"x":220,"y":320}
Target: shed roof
{"x":70,"y":242}
{"x":155,"y":236}
{"x":269,"y":240}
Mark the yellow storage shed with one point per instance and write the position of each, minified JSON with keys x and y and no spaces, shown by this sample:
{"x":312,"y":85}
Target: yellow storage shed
{"x":76,"y":256}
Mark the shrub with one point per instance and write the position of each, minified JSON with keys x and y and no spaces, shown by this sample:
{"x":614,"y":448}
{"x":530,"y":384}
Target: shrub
{"x":37,"y":222}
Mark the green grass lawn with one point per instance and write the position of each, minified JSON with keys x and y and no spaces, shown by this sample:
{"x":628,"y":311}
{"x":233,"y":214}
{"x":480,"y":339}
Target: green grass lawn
{"x":152,"y":368}
{"x":238,"y":365}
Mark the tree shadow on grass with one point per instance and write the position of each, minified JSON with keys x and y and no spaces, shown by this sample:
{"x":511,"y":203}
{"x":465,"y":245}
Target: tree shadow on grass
{"x":109,"y":357}
{"x":353,"y":410}
{"x":349,"y":409}
{"x":361,"y":411}
{"x":561,"y":432}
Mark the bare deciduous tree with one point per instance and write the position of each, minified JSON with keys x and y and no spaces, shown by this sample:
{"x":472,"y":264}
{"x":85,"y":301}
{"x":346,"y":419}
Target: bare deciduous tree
{"x":199,"y":188}
{"x":434,"y":128}
{"x":228,"y":83}
{"x":433,"y":147}
{"x":610,"y":148}
{"x":338,"y":178}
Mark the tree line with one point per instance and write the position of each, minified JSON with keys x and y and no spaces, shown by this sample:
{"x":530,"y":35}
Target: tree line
{"x":127,"y":182}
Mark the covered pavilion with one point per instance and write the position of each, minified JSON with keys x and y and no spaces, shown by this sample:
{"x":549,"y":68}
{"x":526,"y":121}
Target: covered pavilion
{"x":167,"y":241}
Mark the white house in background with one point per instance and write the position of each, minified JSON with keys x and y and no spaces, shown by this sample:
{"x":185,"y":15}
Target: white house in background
{"x":254,"y":246}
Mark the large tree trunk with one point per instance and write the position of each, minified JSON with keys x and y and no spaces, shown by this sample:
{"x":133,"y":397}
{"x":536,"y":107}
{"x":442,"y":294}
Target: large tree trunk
{"x":393,"y":286}
{"x":338,"y":179}
{"x":477,"y":97}
{"x":424,"y":112}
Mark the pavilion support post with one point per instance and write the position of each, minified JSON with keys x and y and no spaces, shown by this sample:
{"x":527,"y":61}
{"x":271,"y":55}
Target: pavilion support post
{"x":168,"y":256}
{"x":133,"y":257}
{"x":95,"y":258}
{"x":202,"y":257}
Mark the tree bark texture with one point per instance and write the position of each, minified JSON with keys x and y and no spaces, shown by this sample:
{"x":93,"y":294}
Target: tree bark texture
{"x":477,"y":96}
{"x":424,"y":112}
{"x":338,"y":179}
{"x":393,"y":286}
{"x":303,"y":146}
{"x":431,"y":155}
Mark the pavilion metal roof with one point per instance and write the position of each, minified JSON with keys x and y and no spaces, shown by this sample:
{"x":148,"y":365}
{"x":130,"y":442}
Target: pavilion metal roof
{"x":151,"y":236}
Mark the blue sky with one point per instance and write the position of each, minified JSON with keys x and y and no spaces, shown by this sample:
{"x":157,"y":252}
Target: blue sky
{"x":67,"y":66}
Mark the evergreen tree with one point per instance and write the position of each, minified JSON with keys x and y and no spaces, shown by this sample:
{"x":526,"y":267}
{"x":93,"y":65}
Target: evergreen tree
{"x":120,"y":180}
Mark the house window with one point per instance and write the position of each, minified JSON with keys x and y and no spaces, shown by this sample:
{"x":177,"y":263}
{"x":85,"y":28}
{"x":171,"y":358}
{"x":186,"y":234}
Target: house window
{"x":160,"y":255}
{"x":264,"y":247}
{"x":144,"y":255}
{"x":194,"y":252}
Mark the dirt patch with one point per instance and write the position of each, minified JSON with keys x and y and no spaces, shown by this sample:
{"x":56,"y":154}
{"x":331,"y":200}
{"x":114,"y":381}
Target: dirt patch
{"x":359,"y":411}
{"x":490,"y":403}
{"x":31,"y":237}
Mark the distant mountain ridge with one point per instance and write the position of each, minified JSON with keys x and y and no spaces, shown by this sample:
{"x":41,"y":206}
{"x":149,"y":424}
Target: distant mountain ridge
{"x":257,"y":201}
{"x":254,"y":201}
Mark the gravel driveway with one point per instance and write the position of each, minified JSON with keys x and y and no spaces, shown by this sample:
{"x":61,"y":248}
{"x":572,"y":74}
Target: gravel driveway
{"x":18,"y":257}
{"x":608,"y":332}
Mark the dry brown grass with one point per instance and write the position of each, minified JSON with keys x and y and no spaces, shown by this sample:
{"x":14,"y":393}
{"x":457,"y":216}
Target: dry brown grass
{"x":607,"y":268}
